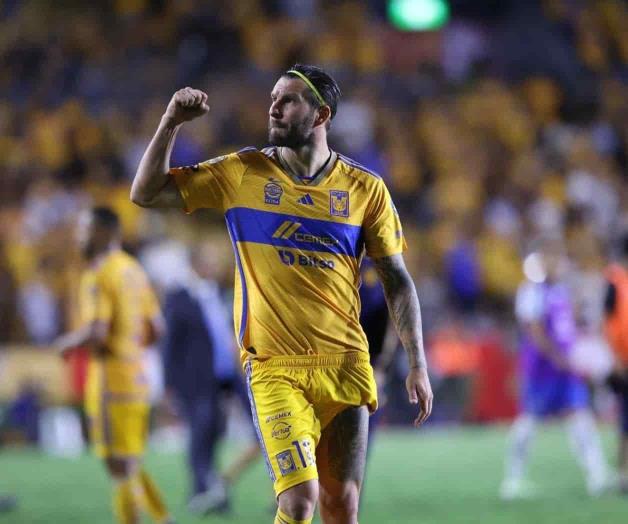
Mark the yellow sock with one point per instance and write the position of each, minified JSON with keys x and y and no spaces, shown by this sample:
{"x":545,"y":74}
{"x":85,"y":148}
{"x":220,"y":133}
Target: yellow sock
{"x":282,"y":518}
{"x":124,"y":504}
{"x":150,"y":498}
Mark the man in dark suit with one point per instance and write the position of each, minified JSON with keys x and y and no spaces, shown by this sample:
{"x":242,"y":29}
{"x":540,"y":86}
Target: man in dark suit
{"x":200,"y":362}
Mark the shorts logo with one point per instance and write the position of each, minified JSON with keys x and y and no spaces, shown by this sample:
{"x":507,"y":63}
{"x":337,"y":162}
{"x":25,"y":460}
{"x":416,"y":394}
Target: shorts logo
{"x":286,"y":463}
{"x":281,"y":431}
{"x":272,"y":193}
{"x":339,"y":203}
{"x":277,"y":416}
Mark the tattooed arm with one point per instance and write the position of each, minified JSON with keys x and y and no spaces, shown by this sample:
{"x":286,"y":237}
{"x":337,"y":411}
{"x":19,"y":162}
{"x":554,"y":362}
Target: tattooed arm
{"x":403,"y":305}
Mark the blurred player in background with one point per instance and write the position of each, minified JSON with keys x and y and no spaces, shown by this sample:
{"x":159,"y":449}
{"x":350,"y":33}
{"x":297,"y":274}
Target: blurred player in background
{"x":300,"y":216}
{"x":616,"y":308}
{"x":549,"y":386}
{"x":200,"y":369}
{"x":120,"y":318}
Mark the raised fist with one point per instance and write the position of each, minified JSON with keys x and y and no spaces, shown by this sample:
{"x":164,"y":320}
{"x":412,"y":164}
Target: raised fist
{"x":186,"y":104}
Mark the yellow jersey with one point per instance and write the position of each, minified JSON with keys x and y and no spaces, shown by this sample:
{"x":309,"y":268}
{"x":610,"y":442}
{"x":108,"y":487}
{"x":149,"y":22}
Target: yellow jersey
{"x":117,"y":291}
{"x":298,"y":247}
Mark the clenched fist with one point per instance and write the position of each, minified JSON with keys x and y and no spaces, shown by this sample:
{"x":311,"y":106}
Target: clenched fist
{"x":186,"y":104}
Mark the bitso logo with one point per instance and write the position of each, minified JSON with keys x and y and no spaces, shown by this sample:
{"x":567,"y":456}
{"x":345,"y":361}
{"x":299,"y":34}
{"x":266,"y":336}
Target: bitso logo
{"x":286,"y":257}
{"x":289,"y":259}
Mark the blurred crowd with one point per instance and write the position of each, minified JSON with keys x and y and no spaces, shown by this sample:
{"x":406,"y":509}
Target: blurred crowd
{"x":510,"y":121}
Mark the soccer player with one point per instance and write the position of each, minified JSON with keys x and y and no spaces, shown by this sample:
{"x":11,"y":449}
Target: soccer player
{"x":120,"y":317}
{"x":300,"y":217}
{"x":616,"y":308}
{"x":549,"y":386}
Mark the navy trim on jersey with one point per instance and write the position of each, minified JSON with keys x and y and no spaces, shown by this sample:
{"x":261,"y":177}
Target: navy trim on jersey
{"x":357,"y":165}
{"x":245,"y":306}
{"x":248,"y":149}
{"x":269,"y":151}
{"x":302,"y":233}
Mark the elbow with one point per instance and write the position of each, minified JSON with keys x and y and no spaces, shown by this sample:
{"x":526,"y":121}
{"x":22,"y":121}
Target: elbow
{"x":138,"y":199}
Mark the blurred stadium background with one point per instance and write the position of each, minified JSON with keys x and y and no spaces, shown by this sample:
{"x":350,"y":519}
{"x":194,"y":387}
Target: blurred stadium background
{"x":491,"y":121}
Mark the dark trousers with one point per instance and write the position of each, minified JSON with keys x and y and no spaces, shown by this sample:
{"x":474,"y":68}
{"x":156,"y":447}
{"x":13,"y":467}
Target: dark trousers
{"x":206,"y":419}
{"x":206,"y":424}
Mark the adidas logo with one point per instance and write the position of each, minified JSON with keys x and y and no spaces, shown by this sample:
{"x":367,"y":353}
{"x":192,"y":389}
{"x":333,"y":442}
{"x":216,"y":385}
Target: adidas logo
{"x":306,"y":200}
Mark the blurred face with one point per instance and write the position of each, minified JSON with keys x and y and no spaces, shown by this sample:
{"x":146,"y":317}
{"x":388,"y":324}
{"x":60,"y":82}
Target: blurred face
{"x":553,"y":257}
{"x":205,"y":261}
{"x":291,"y":116}
{"x":85,"y":233}
{"x":91,"y":238}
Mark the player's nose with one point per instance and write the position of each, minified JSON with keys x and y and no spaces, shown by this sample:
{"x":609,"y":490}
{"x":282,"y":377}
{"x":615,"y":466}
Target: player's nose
{"x":274,"y":111}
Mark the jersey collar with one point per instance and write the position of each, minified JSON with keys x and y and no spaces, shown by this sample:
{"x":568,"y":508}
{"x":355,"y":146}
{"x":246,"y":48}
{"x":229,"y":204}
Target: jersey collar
{"x":315,"y":181}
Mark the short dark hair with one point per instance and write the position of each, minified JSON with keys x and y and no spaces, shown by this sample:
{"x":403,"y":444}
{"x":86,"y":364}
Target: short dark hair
{"x":323,"y":82}
{"x":107,"y":218}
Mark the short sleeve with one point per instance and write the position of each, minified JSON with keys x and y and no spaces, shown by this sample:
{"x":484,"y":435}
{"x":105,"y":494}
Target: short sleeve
{"x":211,"y":184}
{"x":529,"y":303}
{"x":382,"y":228}
{"x":151,"y":304}
{"x":96,"y":300}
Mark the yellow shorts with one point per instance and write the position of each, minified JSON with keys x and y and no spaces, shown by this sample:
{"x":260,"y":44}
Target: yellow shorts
{"x":294,"y":398}
{"x":118,"y":426}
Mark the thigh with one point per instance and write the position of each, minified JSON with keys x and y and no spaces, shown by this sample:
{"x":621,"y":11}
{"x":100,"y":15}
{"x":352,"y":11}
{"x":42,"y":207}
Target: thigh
{"x":285,"y":423}
{"x":341,"y":453}
{"x":126,"y":426}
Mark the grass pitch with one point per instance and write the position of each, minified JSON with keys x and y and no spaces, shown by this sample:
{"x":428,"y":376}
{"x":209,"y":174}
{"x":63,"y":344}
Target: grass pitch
{"x":424,"y":477}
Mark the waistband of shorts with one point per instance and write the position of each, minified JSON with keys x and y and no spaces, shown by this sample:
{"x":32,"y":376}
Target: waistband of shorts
{"x":310,"y":361}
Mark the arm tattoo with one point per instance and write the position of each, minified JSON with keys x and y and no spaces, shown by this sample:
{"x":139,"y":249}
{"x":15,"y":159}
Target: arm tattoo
{"x":403,"y":305}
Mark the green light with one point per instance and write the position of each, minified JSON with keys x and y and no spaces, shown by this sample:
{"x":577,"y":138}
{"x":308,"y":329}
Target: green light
{"x":418,"y":15}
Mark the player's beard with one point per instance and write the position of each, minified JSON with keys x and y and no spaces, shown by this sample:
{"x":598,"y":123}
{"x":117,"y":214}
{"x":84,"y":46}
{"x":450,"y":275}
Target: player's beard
{"x":294,"y":135}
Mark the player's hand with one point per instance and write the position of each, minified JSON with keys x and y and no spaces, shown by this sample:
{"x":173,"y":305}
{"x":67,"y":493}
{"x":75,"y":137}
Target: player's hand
{"x":186,"y":104}
{"x":420,"y":392}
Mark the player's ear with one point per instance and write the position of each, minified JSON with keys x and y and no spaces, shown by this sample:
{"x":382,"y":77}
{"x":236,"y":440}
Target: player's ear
{"x":324,"y":114}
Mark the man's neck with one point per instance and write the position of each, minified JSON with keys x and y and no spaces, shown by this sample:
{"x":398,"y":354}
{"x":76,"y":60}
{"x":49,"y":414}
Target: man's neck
{"x":97,"y":258}
{"x":306,"y":161}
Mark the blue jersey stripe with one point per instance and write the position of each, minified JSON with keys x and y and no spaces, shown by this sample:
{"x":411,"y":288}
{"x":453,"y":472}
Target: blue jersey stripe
{"x":357,"y":165}
{"x":256,"y":423}
{"x":282,"y":230}
{"x":244,"y":313}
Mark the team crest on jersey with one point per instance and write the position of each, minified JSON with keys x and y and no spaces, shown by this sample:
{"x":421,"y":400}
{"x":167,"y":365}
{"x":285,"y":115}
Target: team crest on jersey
{"x":285,"y":461}
{"x":272,"y":193}
{"x":339,"y":203}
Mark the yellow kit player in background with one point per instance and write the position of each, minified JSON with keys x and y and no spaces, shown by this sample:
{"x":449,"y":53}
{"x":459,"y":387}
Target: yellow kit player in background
{"x":300,"y":217}
{"x":120,"y":317}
